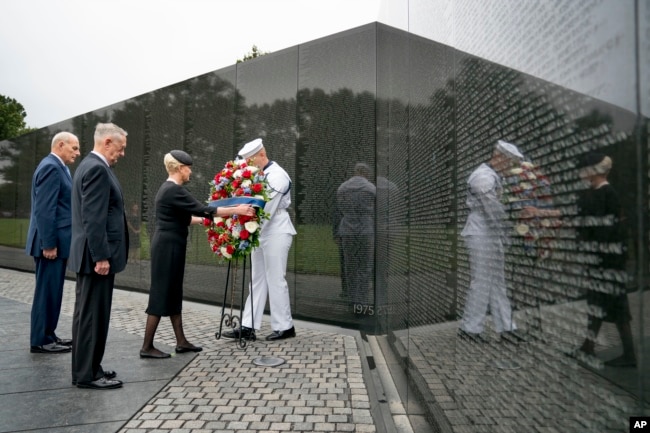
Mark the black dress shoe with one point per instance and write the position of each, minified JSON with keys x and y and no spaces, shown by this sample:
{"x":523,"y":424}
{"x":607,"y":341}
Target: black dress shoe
{"x":513,"y":336}
{"x":156,"y":355}
{"x":471,"y":336}
{"x":102,"y":383}
{"x":63,"y":341}
{"x":281,"y":335}
{"x":243,"y":333}
{"x":108,"y":374}
{"x":180,"y":349}
{"x":621,"y":361}
{"x":50,"y":348}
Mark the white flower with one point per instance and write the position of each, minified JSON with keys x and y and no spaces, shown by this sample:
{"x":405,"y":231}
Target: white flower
{"x":517,"y":170}
{"x":251,"y":226}
{"x":246,"y":183}
{"x":237,"y":174}
{"x":253,"y":169}
{"x":235,"y":231}
{"x":527,"y":164}
{"x":224,"y":252}
{"x":217,"y":220}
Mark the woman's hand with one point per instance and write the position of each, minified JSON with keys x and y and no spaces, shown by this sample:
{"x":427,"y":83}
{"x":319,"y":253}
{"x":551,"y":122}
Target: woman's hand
{"x":244,"y":209}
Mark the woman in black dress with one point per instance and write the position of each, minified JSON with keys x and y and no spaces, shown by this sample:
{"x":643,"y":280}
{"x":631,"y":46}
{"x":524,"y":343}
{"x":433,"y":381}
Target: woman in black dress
{"x":602,"y":231}
{"x":176,"y":209}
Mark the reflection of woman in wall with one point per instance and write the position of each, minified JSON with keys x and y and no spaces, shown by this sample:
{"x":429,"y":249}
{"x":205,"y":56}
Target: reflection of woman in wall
{"x":133,"y":223}
{"x":601,"y":227}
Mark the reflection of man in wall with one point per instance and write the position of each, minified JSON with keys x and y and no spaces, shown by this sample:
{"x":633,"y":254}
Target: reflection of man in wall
{"x":355,"y":202}
{"x":485,"y":234}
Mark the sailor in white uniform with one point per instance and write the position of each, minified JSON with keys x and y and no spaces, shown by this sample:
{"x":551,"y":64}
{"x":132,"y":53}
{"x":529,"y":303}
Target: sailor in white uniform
{"x":269,"y":259}
{"x":486,"y":232}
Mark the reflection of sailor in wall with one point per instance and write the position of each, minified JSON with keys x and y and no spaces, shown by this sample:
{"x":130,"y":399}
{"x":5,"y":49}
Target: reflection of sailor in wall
{"x":269,"y":260}
{"x":485,"y":234}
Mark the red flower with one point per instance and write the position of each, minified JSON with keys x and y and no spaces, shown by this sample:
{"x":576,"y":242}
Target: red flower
{"x":206,"y":222}
{"x":224,"y":186}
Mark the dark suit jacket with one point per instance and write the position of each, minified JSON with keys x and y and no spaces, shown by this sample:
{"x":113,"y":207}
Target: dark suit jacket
{"x":50,"y":220}
{"x":99,"y":229}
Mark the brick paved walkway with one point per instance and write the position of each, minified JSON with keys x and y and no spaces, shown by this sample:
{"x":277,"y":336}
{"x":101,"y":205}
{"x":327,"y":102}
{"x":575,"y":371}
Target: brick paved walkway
{"x":320,"y":387}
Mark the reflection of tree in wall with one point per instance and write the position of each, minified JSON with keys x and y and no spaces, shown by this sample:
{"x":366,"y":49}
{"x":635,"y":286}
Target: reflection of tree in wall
{"x":334,"y":132}
{"x":274,"y":123}
{"x":19,"y":157}
{"x":196,"y":116}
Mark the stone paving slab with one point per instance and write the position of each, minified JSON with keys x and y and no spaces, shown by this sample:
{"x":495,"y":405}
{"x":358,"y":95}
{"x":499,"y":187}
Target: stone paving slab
{"x":36,"y":393}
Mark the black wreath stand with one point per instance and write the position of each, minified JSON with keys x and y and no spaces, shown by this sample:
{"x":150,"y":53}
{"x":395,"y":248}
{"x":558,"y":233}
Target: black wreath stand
{"x":230,"y":319}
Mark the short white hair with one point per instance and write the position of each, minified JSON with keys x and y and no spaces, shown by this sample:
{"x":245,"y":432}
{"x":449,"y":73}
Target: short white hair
{"x":64,"y":136}
{"x":108,"y":129}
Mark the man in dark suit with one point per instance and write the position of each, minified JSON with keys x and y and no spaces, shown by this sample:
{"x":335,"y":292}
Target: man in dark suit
{"x":48,"y":241}
{"x":99,"y":250}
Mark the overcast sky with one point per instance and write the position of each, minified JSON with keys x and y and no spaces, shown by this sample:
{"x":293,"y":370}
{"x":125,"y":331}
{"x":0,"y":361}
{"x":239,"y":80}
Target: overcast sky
{"x":62,"y":58}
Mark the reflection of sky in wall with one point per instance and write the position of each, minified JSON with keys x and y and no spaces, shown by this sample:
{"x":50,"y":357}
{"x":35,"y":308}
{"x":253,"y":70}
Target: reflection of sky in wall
{"x":265,"y":81}
{"x":326,"y":63}
{"x":586,"y":46}
{"x":331,"y":65}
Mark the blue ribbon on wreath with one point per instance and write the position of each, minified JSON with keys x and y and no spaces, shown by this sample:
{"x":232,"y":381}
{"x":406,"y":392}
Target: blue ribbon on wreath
{"x":234,"y":201}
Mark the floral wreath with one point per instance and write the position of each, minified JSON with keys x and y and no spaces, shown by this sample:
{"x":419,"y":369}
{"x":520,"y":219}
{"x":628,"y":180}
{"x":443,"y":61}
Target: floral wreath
{"x":527,"y":186}
{"x":237,"y":183}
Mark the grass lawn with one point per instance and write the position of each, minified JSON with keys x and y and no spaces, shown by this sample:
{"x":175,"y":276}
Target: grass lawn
{"x":313,"y":247}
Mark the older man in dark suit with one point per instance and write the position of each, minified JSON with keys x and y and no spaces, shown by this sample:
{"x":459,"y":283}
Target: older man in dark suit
{"x":99,"y":250}
{"x":48,"y":241}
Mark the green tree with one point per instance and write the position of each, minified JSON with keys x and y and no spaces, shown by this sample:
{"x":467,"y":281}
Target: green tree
{"x":253,"y":53}
{"x":12,"y":118}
